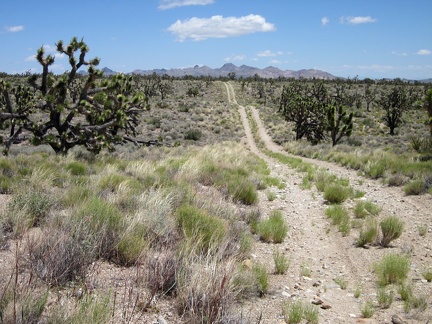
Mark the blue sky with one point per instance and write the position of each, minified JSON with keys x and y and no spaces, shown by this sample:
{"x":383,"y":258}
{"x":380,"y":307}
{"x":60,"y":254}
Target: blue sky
{"x":347,"y":38}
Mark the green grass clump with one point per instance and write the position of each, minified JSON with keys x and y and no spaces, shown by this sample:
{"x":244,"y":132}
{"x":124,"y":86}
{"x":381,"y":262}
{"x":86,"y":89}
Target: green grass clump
{"x":103,"y":225}
{"x":392,"y":269}
{"x":363,"y":209}
{"x":281,"y":262}
{"x":336,"y":193}
{"x":26,"y":210}
{"x":295,"y":312}
{"x":243,"y":191}
{"x":391,"y":229}
{"x":340,"y":217}
{"x":368,"y":232}
{"x":262,"y":278}
{"x":273,"y":229}
{"x":205,"y":231}
{"x":385,"y":298}
{"x":368,"y":309}
{"x":427,"y":274}
{"x":343,"y":284}
{"x":415,"y":187}
{"x":76,"y":168}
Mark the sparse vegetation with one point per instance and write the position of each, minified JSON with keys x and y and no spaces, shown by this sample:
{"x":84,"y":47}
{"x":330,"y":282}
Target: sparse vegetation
{"x":392,"y":269}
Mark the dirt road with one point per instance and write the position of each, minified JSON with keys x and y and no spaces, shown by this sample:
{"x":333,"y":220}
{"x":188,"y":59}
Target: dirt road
{"x":314,"y":244}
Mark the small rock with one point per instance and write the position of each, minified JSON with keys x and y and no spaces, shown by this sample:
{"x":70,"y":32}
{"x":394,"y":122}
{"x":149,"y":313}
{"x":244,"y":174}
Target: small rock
{"x":317,"y":301}
{"x":285,"y":294}
{"x":396,"y":319}
{"x":247,"y":264}
{"x":352,"y":315}
{"x":317,"y":284}
{"x":325,"y":306}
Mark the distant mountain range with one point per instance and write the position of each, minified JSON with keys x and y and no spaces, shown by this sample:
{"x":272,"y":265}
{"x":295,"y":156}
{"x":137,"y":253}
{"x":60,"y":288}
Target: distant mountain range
{"x":240,"y":71}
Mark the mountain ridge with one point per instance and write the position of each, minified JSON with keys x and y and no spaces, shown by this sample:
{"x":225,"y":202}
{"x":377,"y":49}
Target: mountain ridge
{"x":240,"y":71}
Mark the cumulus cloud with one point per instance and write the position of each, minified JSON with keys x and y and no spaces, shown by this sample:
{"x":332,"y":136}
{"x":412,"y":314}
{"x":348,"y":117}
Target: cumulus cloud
{"x":325,"y":21}
{"x":169,"y":4}
{"x":235,"y":57}
{"x":14,"y":29}
{"x":199,"y":29}
{"x":357,"y":20}
{"x":268,"y":53}
{"x":424,"y":52}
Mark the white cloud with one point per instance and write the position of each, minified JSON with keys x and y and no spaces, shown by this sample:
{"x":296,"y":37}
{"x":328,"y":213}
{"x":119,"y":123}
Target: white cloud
{"x":424,"y":52}
{"x":169,"y":4}
{"x":399,"y":53}
{"x":199,"y":29}
{"x":14,"y":29}
{"x":235,"y":57}
{"x":357,"y":20}
{"x":325,"y":21}
{"x":268,"y":53}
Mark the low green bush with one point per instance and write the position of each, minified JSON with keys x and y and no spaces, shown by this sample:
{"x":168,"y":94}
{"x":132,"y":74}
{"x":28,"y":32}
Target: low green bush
{"x":363,"y":209}
{"x":392,"y":269}
{"x":273,"y":229}
{"x":391,"y":229}
{"x":368,"y":233}
{"x":204,"y":230}
{"x":415,"y":187}
{"x":336,"y":193}
{"x":281,"y":262}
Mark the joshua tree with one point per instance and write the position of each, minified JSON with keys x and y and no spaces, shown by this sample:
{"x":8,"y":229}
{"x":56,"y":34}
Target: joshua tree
{"x":394,"y":103}
{"x":71,"y":110}
{"x":428,"y":106}
{"x":339,"y":124}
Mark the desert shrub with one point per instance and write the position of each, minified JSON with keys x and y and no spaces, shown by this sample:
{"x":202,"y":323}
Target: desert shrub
{"x":391,"y":229}
{"x":363,"y":209}
{"x":205,"y":232}
{"x":26,"y":210}
{"x":161,"y":269}
{"x":336,"y":193}
{"x":392,"y":269}
{"x":415,"y":187}
{"x":273,"y":229}
{"x":75,"y":195}
{"x":281,"y":262}
{"x":59,"y":255}
{"x":193,"y":134}
{"x":104,"y":225}
{"x":368,"y":232}
{"x":204,"y":289}
{"x":396,"y":180}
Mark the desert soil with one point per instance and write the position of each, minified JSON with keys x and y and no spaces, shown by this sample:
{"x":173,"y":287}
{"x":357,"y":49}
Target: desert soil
{"x":314,"y":243}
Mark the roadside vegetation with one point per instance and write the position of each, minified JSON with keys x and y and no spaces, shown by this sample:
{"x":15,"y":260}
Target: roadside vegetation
{"x":147,"y":174}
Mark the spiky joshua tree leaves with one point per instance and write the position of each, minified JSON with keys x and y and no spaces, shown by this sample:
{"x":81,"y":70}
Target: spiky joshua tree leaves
{"x":69,"y":110}
{"x":339,"y":123}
